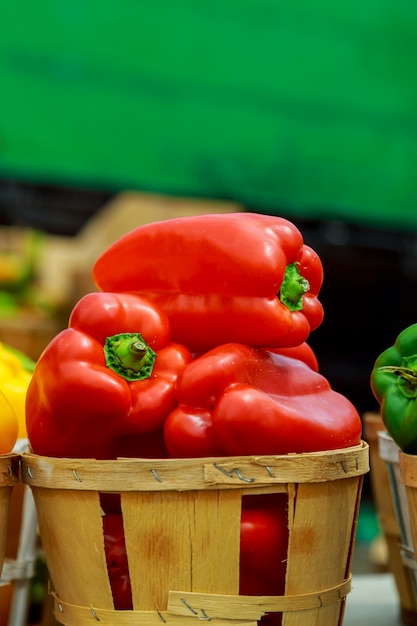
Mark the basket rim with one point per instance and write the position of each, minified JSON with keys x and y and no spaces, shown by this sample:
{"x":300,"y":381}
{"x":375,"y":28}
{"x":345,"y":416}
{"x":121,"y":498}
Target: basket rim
{"x":9,"y":469}
{"x":190,"y":474}
{"x":388,"y":449}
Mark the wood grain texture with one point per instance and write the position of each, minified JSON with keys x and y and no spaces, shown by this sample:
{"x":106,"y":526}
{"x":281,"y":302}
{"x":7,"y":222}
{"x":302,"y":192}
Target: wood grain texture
{"x":182,"y":530}
{"x":185,"y":474}
{"x":9,"y":471}
{"x":72,"y":536}
{"x":383,"y":498}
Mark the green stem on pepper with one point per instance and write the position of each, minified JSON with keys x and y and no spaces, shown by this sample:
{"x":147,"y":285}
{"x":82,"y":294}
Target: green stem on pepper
{"x":293,"y":288}
{"x":129,"y":355}
{"x":407,"y":378}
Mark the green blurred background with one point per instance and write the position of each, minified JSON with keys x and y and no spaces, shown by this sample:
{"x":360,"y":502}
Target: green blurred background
{"x":307,"y":108}
{"x":303,"y":109}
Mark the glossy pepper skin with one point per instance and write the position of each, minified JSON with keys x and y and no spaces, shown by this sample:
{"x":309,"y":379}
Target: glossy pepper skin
{"x":304,"y":352}
{"x":394,"y":385}
{"x":103,"y":387}
{"x":240,"y":400}
{"x":116,"y":560}
{"x":9,"y":425}
{"x":239,"y":277}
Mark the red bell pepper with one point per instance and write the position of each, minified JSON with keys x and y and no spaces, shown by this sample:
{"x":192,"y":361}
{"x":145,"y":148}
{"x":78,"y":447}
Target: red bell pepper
{"x":235,"y":277}
{"x":303,"y":352}
{"x":103,"y":386}
{"x":240,"y":400}
{"x":116,"y":559}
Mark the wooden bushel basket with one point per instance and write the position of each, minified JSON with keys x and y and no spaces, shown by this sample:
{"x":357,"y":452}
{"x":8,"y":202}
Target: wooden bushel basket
{"x":390,"y":453}
{"x":408,"y":477}
{"x":9,"y":473}
{"x":391,"y":505}
{"x":182,"y":530}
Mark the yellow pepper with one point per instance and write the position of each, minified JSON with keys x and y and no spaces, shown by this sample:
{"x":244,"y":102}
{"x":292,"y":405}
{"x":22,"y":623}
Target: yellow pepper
{"x":15,"y":375}
{"x":9,"y":425}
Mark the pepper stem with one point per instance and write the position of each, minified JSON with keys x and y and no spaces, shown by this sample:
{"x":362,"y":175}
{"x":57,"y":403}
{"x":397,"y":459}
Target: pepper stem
{"x":129,"y":355}
{"x":407,"y":378}
{"x":293,"y":288}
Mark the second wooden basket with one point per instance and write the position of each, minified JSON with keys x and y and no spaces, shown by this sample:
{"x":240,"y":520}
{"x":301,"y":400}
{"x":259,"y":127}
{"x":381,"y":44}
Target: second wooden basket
{"x":408,"y":477}
{"x":182,"y":529}
{"x":392,"y":508}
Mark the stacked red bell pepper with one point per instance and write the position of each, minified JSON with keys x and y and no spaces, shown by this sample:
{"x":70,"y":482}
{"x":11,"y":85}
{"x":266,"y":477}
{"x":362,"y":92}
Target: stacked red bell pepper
{"x":238,"y":400}
{"x":103,"y":386}
{"x":238,"y":277}
{"x":195,"y":345}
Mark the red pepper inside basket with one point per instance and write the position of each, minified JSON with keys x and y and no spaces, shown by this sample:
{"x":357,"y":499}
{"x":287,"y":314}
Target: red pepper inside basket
{"x":263,"y":548}
{"x":116,"y":558}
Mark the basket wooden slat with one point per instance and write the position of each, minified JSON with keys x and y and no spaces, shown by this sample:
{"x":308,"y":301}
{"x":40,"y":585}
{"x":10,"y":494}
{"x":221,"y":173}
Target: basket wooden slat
{"x":191,"y":538}
{"x":4,"y":514}
{"x":9,"y":472}
{"x":182,"y":530}
{"x":329,"y":546}
{"x":78,"y":565}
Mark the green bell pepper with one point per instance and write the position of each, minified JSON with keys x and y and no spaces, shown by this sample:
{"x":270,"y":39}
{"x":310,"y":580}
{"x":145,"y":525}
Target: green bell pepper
{"x":394,"y":385}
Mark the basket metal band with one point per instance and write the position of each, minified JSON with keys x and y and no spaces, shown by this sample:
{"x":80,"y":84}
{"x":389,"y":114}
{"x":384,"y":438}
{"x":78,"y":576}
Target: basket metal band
{"x":223,"y":610}
{"x":408,"y":557}
{"x":183,"y":474}
{"x":251,"y":607}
